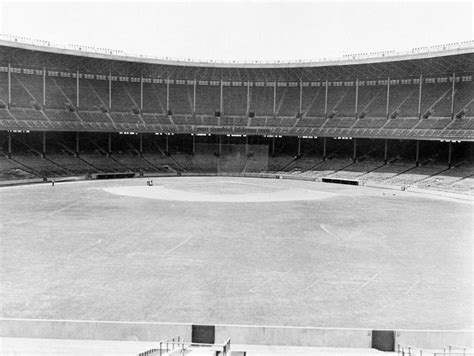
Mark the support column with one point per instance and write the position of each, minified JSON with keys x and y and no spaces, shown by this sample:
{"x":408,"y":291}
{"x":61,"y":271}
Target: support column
{"x":9,"y":85}
{"x":77,"y":88}
{"x":299,"y":146}
{"x":109,"y":148}
{"x":450,"y":152}
{"x":246,"y":145}
{"x":388,"y":98}
{"x":248,"y":97}
{"x":274,"y":98}
{"x":354,"y":155}
{"x":167,"y":148}
{"x":194,"y":144}
{"x":43,"y":153}
{"x":273,"y":145}
{"x":9,"y":136}
{"x":326,"y":100}
{"x":301,"y":99}
{"x":110,"y":91}
{"x":221,"y":101}
{"x":324,"y":148}
{"x":194,"y":98}
{"x":141,"y":93}
{"x":44,"y":86}
{"x":356,"y":98}
{"x":167,"y":97}
{"x":385,"y":153}
{"x":419,"y":96}
{"x":140,"y":149}
{"x":77,"y":144}
{"x":417,"y":157}
{"x":453,"y":91}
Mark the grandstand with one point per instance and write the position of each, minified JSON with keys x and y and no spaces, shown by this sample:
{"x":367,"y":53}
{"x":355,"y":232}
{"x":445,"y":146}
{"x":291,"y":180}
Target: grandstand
{"x":363,"y":119}
{"x":351,"y":118}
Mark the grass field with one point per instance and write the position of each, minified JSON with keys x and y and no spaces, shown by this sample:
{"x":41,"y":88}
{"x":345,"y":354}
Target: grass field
{"x":242,"y":251}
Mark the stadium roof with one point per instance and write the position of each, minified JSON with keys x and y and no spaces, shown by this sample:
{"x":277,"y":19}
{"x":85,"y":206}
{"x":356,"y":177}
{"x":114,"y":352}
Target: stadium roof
{"x":439,"y":60}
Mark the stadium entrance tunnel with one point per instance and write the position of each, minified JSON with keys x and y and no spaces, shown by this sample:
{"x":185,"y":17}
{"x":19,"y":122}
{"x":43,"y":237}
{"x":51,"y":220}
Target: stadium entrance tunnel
{"x":203,"y":334}
{"x":383,"y":340}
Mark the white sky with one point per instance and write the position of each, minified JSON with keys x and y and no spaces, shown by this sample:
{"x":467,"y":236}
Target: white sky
{"x":242,"y":30}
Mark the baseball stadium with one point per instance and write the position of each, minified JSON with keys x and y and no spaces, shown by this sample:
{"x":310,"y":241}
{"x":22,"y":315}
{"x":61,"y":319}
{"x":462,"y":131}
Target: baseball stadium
{"x":153,"y":206}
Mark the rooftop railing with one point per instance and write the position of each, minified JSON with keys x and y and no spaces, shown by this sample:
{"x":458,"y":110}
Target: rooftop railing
{"x":345,"y":57}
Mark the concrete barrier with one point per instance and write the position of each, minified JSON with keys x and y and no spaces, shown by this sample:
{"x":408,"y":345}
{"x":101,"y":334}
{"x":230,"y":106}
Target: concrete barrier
{"x":93,"y":330}
{"x":294,"y":336}
{"x":434,"y":339}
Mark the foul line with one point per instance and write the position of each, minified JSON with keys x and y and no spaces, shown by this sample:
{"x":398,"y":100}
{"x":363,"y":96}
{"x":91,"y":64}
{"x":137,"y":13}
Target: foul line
{"x":179,"y":245}
{"x":368,"y":281}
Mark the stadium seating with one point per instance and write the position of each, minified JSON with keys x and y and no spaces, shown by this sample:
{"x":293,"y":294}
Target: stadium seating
{"x":207,"y":99}
{"x":235,"y":100}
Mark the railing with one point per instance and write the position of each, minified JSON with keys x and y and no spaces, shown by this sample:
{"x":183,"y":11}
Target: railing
{"x":450,"y":350}
{"x":175,"y":344}
{"x":364,"y":55}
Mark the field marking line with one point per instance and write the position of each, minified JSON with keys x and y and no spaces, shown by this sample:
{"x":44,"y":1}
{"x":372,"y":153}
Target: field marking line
{"x":371,"y":279}
{"x":178,"y":245}
{"x":326,"y":230}
{"x":311,"y":285}
{"x":412,"y":287}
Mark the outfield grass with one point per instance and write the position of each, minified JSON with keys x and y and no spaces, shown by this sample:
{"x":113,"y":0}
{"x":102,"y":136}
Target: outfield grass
{"x":348,"y":257}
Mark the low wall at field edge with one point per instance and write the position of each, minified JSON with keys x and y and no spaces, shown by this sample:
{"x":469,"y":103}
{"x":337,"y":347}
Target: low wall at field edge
{"x":434,"y":339}
{"x":295,"y":336}
{"x":238,"y":334}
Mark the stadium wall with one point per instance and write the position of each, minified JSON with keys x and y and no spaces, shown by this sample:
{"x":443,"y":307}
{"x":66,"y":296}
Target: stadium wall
{"x":239,"y":334}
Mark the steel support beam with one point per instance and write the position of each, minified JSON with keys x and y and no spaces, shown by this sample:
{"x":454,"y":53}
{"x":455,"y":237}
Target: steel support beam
{"x":141,"y":93}
{"x":301,"y":98}
{"x":221,"y":101}
{"x":77,"y":88}
{"x":194,"y":97}
{"x":9,"y":84}
{"x":248,"y":97}
{"x":326,"y":100}
{"x":419,"y":96}
{"x":453,"y":91}
{"x":167,"y":97}
{"x":388,"y":99}
{"x":44,"y":86}
{"x":356,"y":97}
{"x":110,"y":91}
{"x":274,"y":98}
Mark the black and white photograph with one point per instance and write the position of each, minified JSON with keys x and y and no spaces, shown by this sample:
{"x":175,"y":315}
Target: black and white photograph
{"x":237,"y":178}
